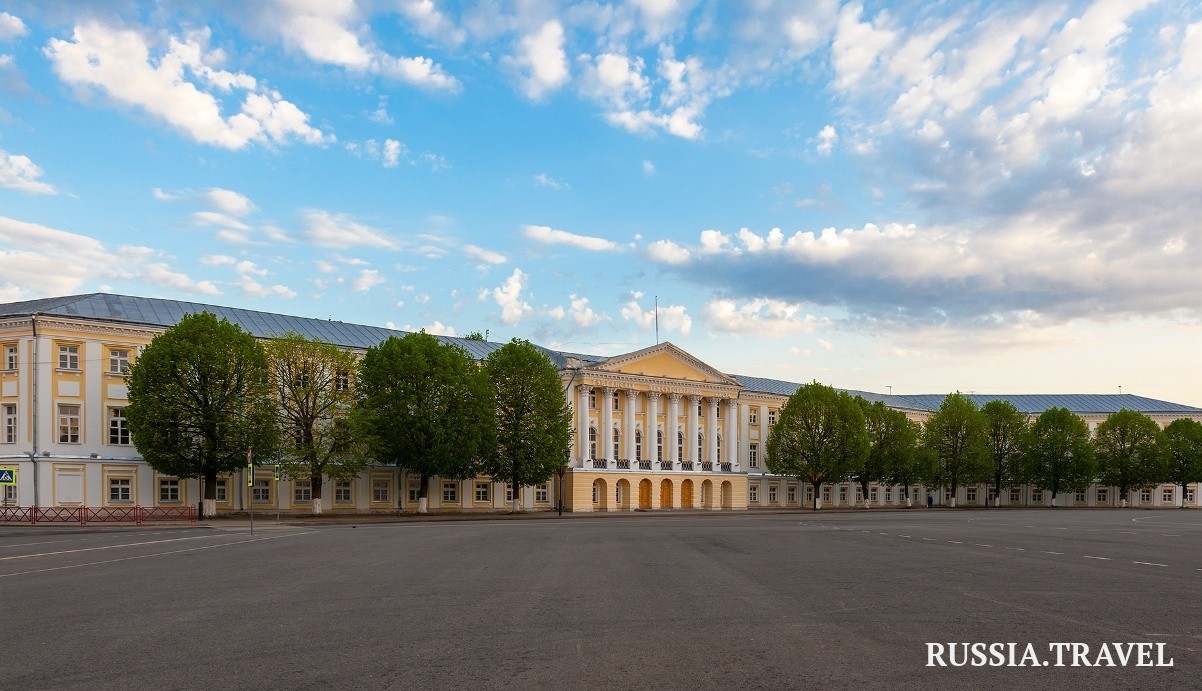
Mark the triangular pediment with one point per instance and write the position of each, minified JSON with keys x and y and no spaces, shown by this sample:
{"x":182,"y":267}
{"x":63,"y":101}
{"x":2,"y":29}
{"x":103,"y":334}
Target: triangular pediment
{"x":664,"y":361}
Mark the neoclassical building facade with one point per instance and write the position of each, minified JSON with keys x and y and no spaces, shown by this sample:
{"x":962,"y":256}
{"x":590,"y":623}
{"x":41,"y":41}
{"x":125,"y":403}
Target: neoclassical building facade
{"x":655,"y":429}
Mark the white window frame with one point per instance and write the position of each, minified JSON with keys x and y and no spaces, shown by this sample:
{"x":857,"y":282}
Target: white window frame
{"x":483,"y":493}
{"x":222,"y":494}
{"x":1167,"y":495}
{"x":752,"y":417}
{"x":617,"y":444}
{"x":1016,"y":495}
{"x":70,"y":423}
{"x":753,"y":493}
{"x":753,"y":456}
{"x":1145,"y":496}
{"x":542,"y":494}
{"x":791,"y":494}
{"x":772,"y":493}
{"x":450,"y":492}
{"x":68,"y":357}
{"x":10,"y":423}
{"x":1037,"y":495}
{"x":10,"y":357}
{"x":378,"y":484}
{"x":119,"y":360}
{"x":1079,"y":497}
{"x":508,"y":492}
{"x":124,"y":490}
{"x":771,"y":418}
{"x":166,"y":484}
{"x":260,"y":491}
{"x":118,"y":426}
{"x":344,"y":492}
{"x":414,"y":489}
{"x":302,"y":491}
{"x":1102,"y":495}
{"x":970,"y":494}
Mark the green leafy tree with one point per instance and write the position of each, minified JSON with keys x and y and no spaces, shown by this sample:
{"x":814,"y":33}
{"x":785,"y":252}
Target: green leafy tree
{"x":425,"y":406}
{"x":1183,"y":452}
{"x":1128,"y":452}
{"x":957,"y":437}
{"x":314,"y":397}
{"x":1006,"y":427}
{"x":1057,"y":453}
{"x":533,"y":423}
{"x":907,"y":465}
{"x":891,"y":445}
{"x":200,"y":396}
{"x":819,"y":437}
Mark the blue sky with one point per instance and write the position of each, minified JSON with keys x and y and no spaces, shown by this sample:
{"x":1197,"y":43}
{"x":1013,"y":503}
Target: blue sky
{"x":991,"y":197}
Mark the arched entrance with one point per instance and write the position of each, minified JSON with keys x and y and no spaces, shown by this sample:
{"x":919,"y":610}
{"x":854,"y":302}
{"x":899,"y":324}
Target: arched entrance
{"x":707,"y":495}
{"x":665,"y":495}
{"x":623,"y":495}
{"x":600,"y":495}
{"x":728,"y":494}
{"x":644,"y":494}
{"x":686,"y":494}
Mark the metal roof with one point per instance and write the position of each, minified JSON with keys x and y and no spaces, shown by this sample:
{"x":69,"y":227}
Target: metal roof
{"x":160,"y":312}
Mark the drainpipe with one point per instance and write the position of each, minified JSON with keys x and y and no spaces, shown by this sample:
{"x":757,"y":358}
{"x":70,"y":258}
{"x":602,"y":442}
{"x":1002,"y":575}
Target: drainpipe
{"x":33,"y":385}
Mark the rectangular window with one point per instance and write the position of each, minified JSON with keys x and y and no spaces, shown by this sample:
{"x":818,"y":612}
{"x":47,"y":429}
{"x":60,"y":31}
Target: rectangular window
{"x":10,"y":423}
{"x":1166,"y":496}
{"x":415,"y":489}
{"x":859,"y":494}
{"x":68,"y":357}
{"x":10,"y":495}
{"x":482,"y":493}
{"x":1079,"y":497}
{"x":947,"y":496}
{"x":809,"y":494}
{"x":168,"y":491}
{"x":992,"y":493}
{"x":302,"y":491}
{"x":843,"y":494}
{"x":753,"y":456}
{"x":541,"y":494}
{"x":342,"y":492}
{"x":791,"y":496}
{"x":379,"y":491}
{"x":771,"y":417}
{"x":10,"y":357}
{"x":771,"y":494}
{"x":260,"y":493}
{"x":888,"y":494}
{"x":1103,"y":495}
{"x":970,"y":494}
{"x":872,"y":494}
{"x":826,"y":494}
{"x":1189,"y":496}
{"x":222,"y":491}
{"x":592,"y":399}
{"x":119,"y":361}
{"x":753,"y":494}
{"x":450,"y":492}
{"x":1037,"y":496}
{"x":68,"y":424}
{"x":120,"y":490}
{"x":1015,"y":495}
{"x":508,"y":492}
{"x":118,"y":430}
{"x":342,"y":380}
{"x":1145,"y":496}
{"x":753,"y":417}
{"x":615,"y":397}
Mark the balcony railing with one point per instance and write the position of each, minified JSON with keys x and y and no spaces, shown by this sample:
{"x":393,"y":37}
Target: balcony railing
{"x":665,"y":465}
{"x":644,"y":465}
{"x":600,"y":463}
{"x":726,"y":467}
{"x":707,"y":466}
{"x":623,"y":464}
{"x":686,"y":465}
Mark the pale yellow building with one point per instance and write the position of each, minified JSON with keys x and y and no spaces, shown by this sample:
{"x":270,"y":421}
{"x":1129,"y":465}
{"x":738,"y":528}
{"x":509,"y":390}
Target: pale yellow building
{"x":655,"y":429}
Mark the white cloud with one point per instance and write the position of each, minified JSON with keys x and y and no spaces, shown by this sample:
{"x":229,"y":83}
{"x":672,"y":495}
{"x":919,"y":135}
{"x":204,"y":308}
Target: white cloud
{"x":229,"y":201}
{"x":380,"y":114}
{"x":484,"y":256}
{"x":671,"y":317}
{"x":118,"y":61}
{"x":11,"y":27}
{"x":545,"y":180}
{"x":667,"y":252}
{"x":430,"y":22}
{"x":252,"y":288}
{"x":760,"y":317}
{"x":542,"y":59}
{"x":580,"y":313}
{"x":20,"y":173}
{"x":367,"y":279}
{"x":392,"y":152}
{"x":337,"y":230}
{"x":552,"y":236}
{"x":827,"y":138}
{"x":212,"y":218}
{"x":648,"y":168}
{"x":508,"y":296}
{"x":436,"y":329}
{"x":217,"y":260}
{"x":162,"y":275}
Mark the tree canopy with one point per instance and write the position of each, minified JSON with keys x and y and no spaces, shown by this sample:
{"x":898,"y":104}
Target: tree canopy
{"x":425,"y":406}
{"x":956,"y":436}
{"x":892,"y":442}
{"x":1183,"y":453}
{"x":1006,"y":428}
{"x":314,"y":395}
{"x":1128,"y":452}
{"x":819,"y":437}
{"x":533,"y":423}
{"x":200,"y":396}
{"x":1058,"y":456}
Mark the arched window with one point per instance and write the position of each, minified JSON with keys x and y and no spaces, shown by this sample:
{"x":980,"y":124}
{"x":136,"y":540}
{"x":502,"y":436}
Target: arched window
{"x":659,"y":445}
{"x":596,"y":492}
{"x":617,"y":440}
{"x":638,"y":445}
{"x":592,"y":442}
{"x":680,"y":447}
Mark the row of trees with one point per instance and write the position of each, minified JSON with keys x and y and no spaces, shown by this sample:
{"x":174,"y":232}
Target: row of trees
{"x":206,"y":397}
{"x":827,"y":436}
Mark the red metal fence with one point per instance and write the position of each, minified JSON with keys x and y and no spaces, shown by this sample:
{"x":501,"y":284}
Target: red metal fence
{"x":84,"y":515}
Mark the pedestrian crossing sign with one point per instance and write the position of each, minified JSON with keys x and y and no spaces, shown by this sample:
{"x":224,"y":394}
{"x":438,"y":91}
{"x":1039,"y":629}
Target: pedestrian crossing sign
{"x":8,"y":476}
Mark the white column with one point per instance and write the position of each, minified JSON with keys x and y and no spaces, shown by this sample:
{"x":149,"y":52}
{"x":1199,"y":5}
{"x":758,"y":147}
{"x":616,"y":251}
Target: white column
{"x":605,"y":435}
{"x":744,"y":437}
{"x":690,"y":439}
{"x":763,"y":426}
{"x":673,"y":426}
{"x":733,"y":444}
{"x":651,"y":428}
{"x":711,"y":429}
{"x":582,"y":424}
{"x":632,"y":398}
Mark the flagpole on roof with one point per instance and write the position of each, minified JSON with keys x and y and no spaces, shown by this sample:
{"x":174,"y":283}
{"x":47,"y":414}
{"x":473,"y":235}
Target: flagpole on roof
{"x":656,"y":320}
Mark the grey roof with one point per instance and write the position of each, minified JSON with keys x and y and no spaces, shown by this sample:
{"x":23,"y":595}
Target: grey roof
{"x":160,"y":312}
{"x":165,"y":313}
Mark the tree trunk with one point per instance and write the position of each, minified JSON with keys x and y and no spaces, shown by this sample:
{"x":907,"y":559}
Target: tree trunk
{"x":315,"y":483}
{"x":516,"y":503}
{"x":817,"y":496}
{"x":209,"y":505}
{"x":423,"y":503}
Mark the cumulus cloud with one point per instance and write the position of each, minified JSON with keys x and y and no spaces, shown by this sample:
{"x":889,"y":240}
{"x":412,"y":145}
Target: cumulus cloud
{"x":667,"y":252}
{"x":366,"y":280}
{"x":759,"y":317}
{"x":180,"y":86}
{"x":542,"y":60}
{"x":229,"y":201}
{"x":324,"y":229}
{"x":826,"y":139}
{"x":552,"y":236}
{"x":581,"y":314}
{"x":11,"y":27}
{"x":508,"y":296}
{"x":485,"y":257}
{"x":544,"y":180}
{"x":671,"y":317}
{"x":20,"y":173}
{"x":436,"y":329}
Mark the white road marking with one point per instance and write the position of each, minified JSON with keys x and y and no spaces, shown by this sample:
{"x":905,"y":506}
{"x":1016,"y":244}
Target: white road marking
{"x":1148,"y":563}
{"x":883,"y":534}
{"x":955,"y":543}
{"x":93,"y":549}
{"x":1127,"y":532}
{"x":977,"y":544}
{"x":904,"y":536}
{"x":1101,"y":558}
{"x":1169,"y":535}
{"x":1017,"y":549}
{"x":929,"y":538}
{"x":1045,"y":552}
{"x":156,"y":554}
